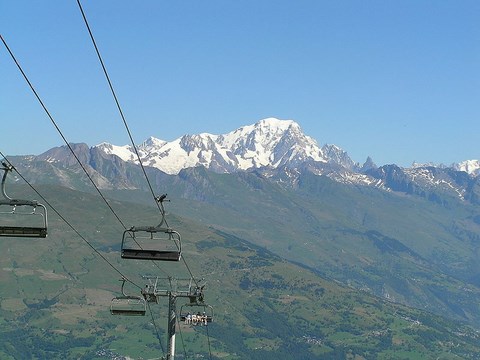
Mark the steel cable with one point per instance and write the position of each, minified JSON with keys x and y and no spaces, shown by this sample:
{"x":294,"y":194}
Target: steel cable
{"x":159,"y":205}
{"x":68,"y":223}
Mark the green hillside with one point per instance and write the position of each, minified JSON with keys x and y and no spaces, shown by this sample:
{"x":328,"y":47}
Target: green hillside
{"x":55,"y":293}
{"x":404,"y":248}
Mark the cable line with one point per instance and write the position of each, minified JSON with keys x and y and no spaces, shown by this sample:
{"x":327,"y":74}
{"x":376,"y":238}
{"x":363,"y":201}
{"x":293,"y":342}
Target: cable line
{"x":158,"y":203}
{"x":190,"y":272}
{"x":156,"y":329}
{"x":64,"y":139}
{"x":68,"y":223}
{"x":209,"y":347}
{"x":86,"y":172}
{"x":117,"y":102}
{"x":58,"y":129}
{"x":157,"y":200}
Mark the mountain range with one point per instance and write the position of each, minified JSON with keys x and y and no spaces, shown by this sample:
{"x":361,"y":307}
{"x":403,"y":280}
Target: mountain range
{"x":276,"y":148}
{"x":269,"y":143}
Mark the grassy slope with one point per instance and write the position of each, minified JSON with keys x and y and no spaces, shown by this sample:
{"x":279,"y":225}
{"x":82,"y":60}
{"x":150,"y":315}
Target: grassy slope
{"x":409,"y":249}
{"x":55,"y":294}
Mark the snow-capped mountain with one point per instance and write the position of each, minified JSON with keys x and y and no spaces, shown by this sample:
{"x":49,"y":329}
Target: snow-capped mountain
{"x":471,"y":167}
{"x":276,"y":149}
{"x":268,"y":143}
{"x":272,"y":144}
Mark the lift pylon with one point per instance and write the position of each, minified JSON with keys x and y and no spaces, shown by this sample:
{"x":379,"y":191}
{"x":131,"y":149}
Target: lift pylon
{"x":177,"y":288}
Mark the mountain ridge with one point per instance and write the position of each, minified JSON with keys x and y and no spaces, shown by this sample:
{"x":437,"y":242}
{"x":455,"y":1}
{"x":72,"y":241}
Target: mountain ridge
{"x":270,"y":142}
{"x":278,"y":149}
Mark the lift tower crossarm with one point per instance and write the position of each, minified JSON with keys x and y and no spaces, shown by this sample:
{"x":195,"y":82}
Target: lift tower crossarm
{"x":178,"y":288}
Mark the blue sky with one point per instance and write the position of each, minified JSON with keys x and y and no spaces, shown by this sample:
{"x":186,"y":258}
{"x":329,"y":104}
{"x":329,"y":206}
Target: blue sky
{"x":395,"y":80}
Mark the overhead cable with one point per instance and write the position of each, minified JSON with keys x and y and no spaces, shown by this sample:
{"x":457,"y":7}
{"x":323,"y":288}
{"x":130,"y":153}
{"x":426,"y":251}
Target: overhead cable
{"x":158,"y":203}
{"x":155,"y":327}
{"x":117,"y":103}
{"x":59,"y":131}
{"x":64,"y":138}
{"x":68,"y":223}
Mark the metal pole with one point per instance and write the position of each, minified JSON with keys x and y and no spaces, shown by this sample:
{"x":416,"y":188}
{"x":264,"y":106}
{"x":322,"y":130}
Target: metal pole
{"x":172,"y":317}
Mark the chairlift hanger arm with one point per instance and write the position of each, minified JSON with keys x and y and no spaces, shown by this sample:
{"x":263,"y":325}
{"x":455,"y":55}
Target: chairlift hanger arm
{"x":6,"y":168}
{"x":160,"y":199}
{"x":7,"y":200}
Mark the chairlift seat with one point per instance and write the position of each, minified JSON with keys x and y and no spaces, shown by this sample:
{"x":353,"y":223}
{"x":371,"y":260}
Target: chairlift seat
{"x":127,"y":312}
{"x":143,"y":254}
{"x":23,"y":231}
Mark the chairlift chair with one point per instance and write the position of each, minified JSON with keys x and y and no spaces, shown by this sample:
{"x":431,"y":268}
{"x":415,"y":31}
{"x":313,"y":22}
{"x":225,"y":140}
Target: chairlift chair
{"x":21,"y":218}
{"x":151,"y":243}
{"x":128,"y":305}
{"x":201,"y":313}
